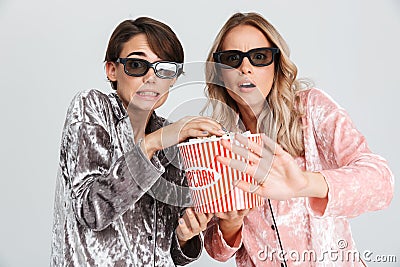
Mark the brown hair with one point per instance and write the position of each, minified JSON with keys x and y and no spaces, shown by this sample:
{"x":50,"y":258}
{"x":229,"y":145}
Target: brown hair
{"x":162,"y":40}
{"x":282,"y":100}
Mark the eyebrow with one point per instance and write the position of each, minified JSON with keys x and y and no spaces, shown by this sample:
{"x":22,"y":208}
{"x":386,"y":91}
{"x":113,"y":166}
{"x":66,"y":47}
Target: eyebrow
{"x":136,"y":54}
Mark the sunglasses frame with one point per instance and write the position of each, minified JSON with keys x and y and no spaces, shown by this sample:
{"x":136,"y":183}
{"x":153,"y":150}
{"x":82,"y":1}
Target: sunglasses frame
{"x":242,"y":55}
{"x":179,"y":67}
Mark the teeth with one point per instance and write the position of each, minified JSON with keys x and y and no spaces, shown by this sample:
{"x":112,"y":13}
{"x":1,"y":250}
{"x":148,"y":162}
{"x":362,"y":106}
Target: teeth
{"x":246,"y":85}
{"x":147,"y":93}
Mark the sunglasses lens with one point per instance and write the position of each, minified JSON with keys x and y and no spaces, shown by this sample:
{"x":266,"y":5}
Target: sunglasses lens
{"x":166,"y":70}
{"x":136,"y":67}
{"x":261,"y":57}
{"x":258,"y":57}
{"x":230,"y":58}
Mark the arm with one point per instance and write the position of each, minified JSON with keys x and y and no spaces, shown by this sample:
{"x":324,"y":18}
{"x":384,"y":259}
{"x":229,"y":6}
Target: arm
{"x":101,"y":190}
{"x":358,"y":180}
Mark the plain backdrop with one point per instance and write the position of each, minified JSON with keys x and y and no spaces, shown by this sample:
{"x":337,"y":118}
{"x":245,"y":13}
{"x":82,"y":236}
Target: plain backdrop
{"x":51,"y":49}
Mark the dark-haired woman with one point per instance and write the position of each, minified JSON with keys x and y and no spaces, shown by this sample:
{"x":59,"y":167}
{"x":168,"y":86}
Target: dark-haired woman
{"x":121,"y":193}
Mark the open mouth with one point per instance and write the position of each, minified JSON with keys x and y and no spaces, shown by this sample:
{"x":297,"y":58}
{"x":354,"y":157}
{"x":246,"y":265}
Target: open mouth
{"x":247,"y":85}
{"x":148,"y":93}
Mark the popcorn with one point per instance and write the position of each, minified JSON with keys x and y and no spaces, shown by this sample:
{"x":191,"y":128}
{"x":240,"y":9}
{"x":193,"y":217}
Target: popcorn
{"x":211,"y":183}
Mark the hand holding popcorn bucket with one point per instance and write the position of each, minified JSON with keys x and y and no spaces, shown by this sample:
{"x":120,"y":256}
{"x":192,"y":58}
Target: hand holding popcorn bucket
{"x":211,"y":183}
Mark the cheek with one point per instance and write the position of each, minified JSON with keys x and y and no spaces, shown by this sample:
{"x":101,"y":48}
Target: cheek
{"x":162,"y":100}
{"x":228,"y":77}
{"x":265,"y":80}
{"x":164,"y":85}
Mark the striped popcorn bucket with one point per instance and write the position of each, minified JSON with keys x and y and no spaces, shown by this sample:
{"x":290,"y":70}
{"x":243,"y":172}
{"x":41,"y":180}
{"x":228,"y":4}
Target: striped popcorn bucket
{"x":211,"y":183}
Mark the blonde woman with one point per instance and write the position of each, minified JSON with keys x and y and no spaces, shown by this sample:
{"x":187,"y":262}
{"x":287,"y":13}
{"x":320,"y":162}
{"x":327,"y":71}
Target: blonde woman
{"x":314,"y":169}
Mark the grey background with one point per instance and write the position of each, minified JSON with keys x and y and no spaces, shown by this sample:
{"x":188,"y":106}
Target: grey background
{"x":51,"y":49}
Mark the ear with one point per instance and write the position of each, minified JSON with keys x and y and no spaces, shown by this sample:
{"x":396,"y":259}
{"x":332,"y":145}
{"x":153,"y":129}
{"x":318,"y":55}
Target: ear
{"x":111,"y":71}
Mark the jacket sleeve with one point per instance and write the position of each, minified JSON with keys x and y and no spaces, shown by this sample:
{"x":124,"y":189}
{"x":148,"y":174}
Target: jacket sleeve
{"x":101,"y":189}
{"x":189,"y":253}
{"x":215,"y":244}
{"x":358,"y":180}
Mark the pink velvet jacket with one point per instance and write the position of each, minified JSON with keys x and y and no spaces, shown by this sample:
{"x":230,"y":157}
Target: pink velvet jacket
{"x":315,"y":232}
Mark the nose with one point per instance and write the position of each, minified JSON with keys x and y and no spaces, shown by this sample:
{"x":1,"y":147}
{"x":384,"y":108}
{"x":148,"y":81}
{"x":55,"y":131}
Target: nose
{"x":150,"y":76}
{"x":246,"y":66}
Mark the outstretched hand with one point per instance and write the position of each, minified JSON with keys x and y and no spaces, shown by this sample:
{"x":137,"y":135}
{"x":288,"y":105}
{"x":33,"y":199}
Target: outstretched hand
{"x":277,"y":174}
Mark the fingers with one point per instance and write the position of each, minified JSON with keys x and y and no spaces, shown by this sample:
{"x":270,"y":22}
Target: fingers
{"x":203,"y":219}
{"x":259,"y":174}
{"x":240,"y":150}
{"x":182,"y":231}
{"x":191,"y":224}
{"x":260,"y":159}
{"x":250,"y":145}
{"x":209,"y":127}
{"x":248,"y":187}
{"x":207,"y":120}
{"x":191,"y":220}
{"x":270,"y":144}
{"x":197,"y":133}
{"x":200,"y":119}
{"x":201,"y":126}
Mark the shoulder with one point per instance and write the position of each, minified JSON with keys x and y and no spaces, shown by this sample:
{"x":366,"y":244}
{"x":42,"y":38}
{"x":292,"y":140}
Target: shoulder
{"x":88,"y":105}
{"x":90,"y":97}
{"x":313,"y":98}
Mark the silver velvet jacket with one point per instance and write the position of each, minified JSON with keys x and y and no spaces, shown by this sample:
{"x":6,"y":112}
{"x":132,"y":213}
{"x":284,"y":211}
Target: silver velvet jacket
{"x":113,"y":206}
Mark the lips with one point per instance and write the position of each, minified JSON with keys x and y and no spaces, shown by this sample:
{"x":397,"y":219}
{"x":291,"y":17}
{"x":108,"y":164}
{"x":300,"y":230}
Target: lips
{"x":246,"y":86}
{"x":148,"y":95}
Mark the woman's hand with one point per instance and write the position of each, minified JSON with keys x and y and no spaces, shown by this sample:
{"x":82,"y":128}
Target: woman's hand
{"x":191,"y":224}
{"x":179,"y":131}
{"x":230,"y":224}
{"x":276,"y":172}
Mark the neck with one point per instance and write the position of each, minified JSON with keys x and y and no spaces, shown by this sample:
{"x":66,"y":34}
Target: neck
{"x":139,"y":121}
{"x":249,"y":117}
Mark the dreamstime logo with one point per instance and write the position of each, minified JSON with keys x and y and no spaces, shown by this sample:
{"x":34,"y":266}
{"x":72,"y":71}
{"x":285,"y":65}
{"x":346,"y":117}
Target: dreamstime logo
{"x":330,"y":255}
{"x":186,"y":103}
{"x":341,"y":254}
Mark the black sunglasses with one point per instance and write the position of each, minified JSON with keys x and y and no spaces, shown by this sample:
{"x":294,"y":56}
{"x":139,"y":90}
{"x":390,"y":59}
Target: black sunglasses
{"x":139,"y":67}
{"x":259,"y":57}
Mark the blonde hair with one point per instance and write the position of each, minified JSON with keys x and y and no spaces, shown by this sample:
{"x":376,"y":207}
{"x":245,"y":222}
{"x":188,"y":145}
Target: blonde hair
{"x":281,"y":117}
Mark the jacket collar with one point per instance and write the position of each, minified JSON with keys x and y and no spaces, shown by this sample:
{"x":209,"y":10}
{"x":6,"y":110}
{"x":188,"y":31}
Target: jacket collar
{"x":117,"y":107}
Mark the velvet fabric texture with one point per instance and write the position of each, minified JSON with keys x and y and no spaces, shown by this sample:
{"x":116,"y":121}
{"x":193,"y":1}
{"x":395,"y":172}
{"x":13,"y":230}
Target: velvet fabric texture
{"x":113,"y":206}
{"x":315,"y":232}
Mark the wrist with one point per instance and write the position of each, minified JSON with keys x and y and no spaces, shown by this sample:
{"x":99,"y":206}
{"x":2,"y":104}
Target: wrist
{"x":231,"y":231}
{"x":181,"y":242}
{"x":151,"y":144}
{"x":316,"y":185}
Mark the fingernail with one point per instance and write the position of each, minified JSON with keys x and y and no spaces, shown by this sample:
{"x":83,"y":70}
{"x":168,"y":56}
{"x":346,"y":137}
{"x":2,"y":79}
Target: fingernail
{"x":205,"y":132}
{"x":235,"y":182}
{"x":181,"y":221}
{"x":189,"y":212}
